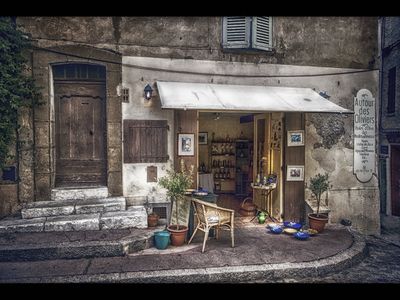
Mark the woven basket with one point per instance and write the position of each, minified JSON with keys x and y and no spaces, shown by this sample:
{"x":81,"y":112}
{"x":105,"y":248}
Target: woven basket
{"x":247,"y":208}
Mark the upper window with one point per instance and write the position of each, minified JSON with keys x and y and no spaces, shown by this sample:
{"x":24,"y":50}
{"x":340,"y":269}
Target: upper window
{"x":247,"y":33}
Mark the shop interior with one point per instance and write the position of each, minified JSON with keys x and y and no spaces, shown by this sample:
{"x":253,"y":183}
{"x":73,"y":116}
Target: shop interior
{"x":238,"y":151}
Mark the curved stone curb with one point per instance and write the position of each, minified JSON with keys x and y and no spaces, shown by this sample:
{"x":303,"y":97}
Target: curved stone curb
{"x":231,"y":274}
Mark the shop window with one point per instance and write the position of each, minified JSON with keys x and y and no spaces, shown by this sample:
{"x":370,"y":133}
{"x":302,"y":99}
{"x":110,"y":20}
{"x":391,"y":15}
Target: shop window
{"x":391,"y":108}
{"x":247,"y":33}
{"x":145,"y":141}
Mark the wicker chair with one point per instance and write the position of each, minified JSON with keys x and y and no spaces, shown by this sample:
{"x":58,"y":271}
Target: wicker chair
{"x":210,"y":215}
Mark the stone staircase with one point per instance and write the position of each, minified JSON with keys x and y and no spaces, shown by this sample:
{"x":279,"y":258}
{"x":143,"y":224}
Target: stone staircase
{"x":77,"y":209}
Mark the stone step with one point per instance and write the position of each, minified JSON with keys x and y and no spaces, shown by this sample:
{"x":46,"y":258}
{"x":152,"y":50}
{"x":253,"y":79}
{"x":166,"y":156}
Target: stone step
{"x":74,"y":245}
{"x":135,"y":217}
{"x":59,"y":194}
{"x":72,"y":206}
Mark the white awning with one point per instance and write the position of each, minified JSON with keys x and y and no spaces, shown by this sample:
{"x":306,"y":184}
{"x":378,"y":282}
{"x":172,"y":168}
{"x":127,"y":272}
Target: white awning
{"x":215,"y":97}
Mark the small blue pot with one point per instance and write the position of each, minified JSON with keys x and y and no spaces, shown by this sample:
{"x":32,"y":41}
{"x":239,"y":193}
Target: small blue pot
{"x":301,"y":235}
{"x":161,"y":239}
{"x":294,"y":225}
{"x":276,"y":229}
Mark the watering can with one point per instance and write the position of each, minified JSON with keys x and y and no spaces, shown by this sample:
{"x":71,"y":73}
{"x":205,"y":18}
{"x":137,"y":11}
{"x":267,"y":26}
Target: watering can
{"x":261,"y":217}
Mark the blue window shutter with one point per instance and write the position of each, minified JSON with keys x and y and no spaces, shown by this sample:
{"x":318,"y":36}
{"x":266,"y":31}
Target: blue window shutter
{"x":262,"y":33}
{"x":236,"y":32}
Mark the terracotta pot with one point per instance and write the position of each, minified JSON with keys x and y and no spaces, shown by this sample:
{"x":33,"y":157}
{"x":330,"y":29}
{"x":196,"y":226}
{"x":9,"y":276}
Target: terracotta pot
{"x":177,"y":236}
{"x":317,"y":223}
{"x":247,"y":208}
{"x":152,"y":220}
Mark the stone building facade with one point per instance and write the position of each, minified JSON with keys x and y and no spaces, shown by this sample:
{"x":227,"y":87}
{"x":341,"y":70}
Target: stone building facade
{"x":389,"y":125}
{"x":137,"y":51}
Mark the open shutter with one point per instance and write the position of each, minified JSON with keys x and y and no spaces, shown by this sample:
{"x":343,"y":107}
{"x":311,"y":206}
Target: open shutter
{"x":262,"y":33}
{"x":236,"y":32}
{"x":145,"y":141}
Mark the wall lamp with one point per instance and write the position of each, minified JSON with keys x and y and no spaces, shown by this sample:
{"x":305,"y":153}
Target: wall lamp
{"x":148,"y":92}
{"x":324,"y":94}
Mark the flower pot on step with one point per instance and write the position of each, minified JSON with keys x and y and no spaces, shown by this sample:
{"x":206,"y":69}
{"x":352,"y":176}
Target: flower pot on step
{"x":161,"y":239}
{"x":152,"y":220}
{"x":317,"y":222}
{"x":178,"y":236}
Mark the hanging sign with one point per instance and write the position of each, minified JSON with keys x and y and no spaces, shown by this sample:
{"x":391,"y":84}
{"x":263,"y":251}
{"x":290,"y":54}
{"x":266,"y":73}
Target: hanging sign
{"x":364,"y":135}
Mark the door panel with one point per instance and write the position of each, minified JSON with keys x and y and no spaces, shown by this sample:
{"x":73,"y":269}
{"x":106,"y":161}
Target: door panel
{"x":395,"y":179}
{"x":294,"y":204}
{"x":80,"y":133}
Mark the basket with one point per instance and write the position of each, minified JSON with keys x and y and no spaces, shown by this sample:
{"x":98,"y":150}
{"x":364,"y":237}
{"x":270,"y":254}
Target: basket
{"x":247,"y":208}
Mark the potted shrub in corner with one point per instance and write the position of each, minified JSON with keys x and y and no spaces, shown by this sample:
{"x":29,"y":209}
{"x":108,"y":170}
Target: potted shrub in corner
{"x":176,"y":184}
{"x":318,"y":185}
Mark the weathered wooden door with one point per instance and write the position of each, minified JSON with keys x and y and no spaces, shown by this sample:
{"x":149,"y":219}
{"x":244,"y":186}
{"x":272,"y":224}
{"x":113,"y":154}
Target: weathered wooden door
{"x":80,"y":133}
{"x":395,"y":179}
{"x":294,"y":205}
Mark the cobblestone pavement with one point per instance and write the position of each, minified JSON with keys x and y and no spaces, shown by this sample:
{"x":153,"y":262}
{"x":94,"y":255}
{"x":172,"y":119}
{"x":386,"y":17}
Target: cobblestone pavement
{"x":382,"y":264}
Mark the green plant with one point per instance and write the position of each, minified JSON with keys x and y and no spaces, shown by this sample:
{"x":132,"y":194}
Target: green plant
{"x":318,"y":185}
{"x":16,"y":88}
{"x":176,"y":184}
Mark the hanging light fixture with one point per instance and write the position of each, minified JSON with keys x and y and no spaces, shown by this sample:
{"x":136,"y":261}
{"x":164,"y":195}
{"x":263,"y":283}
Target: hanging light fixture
{"x":148,"y":92}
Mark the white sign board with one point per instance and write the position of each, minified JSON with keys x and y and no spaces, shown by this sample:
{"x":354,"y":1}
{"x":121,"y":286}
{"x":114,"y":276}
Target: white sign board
{"x":364,"y":135}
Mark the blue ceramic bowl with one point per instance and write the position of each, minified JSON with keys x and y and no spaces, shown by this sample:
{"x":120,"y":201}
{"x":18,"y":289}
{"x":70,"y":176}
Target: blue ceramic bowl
{"x":294,"y":225}
{"x":276,"y":229}
{"x":301,"y":235}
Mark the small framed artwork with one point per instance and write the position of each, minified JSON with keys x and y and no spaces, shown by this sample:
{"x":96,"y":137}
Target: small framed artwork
{"x":186,"y":144}
{"x":295,"y":138}
{"x":203,"y":138}
{"x":295,"y":173}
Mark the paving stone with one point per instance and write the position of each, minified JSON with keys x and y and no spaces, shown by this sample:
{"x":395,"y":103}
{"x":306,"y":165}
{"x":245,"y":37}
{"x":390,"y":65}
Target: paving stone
{"x":72,"y":223}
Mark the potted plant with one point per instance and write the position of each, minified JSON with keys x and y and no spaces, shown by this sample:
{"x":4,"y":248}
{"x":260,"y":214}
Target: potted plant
{"x":176,"y":184}
{"x":152,"y":219}
{"x":318,"y":185}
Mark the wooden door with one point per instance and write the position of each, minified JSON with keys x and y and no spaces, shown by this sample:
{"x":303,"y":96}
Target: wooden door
{"x":293,"y":205}
{"x":80,"y":133}
{"x":395,"y":179}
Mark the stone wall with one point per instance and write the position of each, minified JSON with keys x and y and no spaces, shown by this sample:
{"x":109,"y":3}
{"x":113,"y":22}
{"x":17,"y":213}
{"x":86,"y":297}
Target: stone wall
{"x":347,"y":42}
{"x":389,"y":126}
{"x":301,"y":45}
{"x":390,"y":59}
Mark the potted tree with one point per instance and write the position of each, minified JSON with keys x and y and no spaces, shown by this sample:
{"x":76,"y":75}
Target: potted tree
{"x":318,"y":185}
{"x":176,"y":184}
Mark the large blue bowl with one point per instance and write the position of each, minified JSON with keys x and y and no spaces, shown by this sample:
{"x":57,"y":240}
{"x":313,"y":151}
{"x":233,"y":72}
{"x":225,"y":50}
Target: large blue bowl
{"x":294,"y":225}
{"x":276,"y":229}
{"x":301,"y":235}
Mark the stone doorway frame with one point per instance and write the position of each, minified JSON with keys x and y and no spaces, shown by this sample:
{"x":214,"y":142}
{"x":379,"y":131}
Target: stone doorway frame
{"x":44,"y":115}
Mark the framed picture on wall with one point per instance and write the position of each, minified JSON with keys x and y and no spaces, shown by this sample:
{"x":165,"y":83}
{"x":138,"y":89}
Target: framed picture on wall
{"x":186,"y":144}
{"x":295,"y":138}
{"x":295,"y":173}
{"x":203,"y":138}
